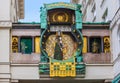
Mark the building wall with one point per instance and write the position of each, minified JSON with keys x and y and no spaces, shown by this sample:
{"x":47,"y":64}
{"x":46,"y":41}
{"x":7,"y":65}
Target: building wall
{"x":25,"y":71}
{"x":113,"y":15}
{"x":101,"y":71}
{"x":17,"y":10}
{"x":96,"y":14}
{"x":25,"y":66}
{"x":4,"y":41}
{"x":30,"y":71}
{"x":11,"y":10}
{"x":14,"y":10}
{"x":115,"y":43}
{"x":4,"y":55}
{"x":5,"y":10}
{"x":5,"y":26}
{"x":8,"y":15}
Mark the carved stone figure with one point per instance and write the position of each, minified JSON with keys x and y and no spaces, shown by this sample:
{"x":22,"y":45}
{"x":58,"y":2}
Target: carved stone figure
{"x":95,"y":47}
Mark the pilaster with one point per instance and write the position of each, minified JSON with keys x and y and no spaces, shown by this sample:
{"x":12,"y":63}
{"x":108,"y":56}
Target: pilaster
{"x":5,"y":45}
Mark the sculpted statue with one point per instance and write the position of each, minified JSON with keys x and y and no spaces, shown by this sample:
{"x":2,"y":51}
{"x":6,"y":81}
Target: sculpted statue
{"x":95,"y":47}
{"x":58,"y":53}
{"x":43,"y":15}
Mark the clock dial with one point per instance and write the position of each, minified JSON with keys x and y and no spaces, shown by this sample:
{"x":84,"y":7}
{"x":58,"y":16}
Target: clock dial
{"x":69,"y":46}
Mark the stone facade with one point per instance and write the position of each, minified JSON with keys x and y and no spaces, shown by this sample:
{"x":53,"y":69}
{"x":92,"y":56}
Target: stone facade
{"x":115,"y":41}
{"x":8,"y":15}
{"x":24,"y":67}
{"x":98,"y":10}
{"x":106,"y":11}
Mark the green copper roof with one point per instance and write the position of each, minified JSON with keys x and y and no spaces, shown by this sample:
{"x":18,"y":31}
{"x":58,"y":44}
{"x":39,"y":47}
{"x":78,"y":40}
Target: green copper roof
{"x":83,"y":22}
{"x":29,"y":22}
{"x":62,"y":5}
{"x":96,"y":22}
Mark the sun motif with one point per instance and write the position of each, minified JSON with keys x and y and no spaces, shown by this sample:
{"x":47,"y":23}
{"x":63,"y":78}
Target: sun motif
{"x":60,"y":17}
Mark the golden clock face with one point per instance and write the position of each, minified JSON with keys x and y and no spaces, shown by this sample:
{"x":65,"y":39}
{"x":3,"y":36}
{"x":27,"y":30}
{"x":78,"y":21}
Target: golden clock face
{"x":69,"y":46}
{"x":60,"y":17}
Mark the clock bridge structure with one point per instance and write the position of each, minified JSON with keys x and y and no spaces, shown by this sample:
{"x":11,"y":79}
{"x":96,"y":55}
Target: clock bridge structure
{"x":61,"y":48}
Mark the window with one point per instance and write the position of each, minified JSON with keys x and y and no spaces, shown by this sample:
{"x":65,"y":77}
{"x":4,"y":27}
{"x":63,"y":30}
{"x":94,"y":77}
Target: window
{"x":26,"y":45}
{"x":94,"y":10}
{"x":106,"y":44}
{"x":37,"y":44}
{"x":84,"y":50}
{"x":92,"y":2}
{"x":104,"y":17}
{"x":84,"y":3}
{"x":102,"y":3}
{"x":94,"y":19}
{"x":14,"y":44}
{"x":95,"y":45}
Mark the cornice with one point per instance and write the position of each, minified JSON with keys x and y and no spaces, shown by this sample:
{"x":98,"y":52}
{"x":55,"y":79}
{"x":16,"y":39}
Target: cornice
{"x":5,"y":24}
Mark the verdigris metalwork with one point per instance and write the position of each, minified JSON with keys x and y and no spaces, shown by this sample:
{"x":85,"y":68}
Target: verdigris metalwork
{"x":43,"y":18}
{"x":116,"y":79}
{"x":72,"y":67}
{"x":78,"y":15}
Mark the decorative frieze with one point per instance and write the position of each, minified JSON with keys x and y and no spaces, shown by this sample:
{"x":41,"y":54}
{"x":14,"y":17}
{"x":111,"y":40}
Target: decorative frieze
{"x":61,"y":28}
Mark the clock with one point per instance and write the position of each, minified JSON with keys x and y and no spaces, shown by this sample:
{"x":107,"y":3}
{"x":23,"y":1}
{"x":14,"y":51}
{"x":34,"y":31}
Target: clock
{"x":68,"y":46}
{"x":60,"y":17}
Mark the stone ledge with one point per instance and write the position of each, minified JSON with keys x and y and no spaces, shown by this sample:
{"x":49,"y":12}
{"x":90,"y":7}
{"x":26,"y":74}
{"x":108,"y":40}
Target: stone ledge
{"x":4,"y":63}
{"x":5,"y":75}
{"x":5,"y":24}
{"x":5,"y":80}
{"x":28,"y":65}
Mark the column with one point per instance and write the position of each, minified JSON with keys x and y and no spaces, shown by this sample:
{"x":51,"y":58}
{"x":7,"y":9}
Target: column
{"x":33,"y":44}
{"x":5,"y":45}
{"x":88,"y":43}
{"x":19,"y":38}
{"x":102,"y":44}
